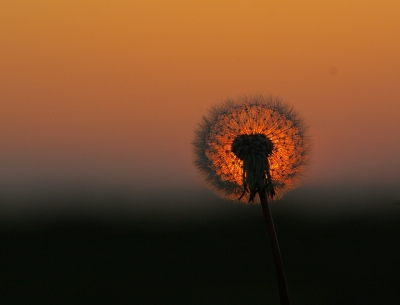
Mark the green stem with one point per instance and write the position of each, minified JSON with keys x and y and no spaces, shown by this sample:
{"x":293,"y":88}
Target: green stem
{"x":280,"y":273}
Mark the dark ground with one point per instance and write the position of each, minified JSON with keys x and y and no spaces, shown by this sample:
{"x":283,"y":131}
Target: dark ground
{"x":81,"y":260}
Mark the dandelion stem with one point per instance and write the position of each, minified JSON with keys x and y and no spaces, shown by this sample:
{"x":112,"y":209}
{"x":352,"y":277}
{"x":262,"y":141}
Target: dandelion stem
{"x":280,"y":273}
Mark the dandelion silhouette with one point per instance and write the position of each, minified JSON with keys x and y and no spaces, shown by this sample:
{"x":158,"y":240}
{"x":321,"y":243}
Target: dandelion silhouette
{"x":255,"y":145}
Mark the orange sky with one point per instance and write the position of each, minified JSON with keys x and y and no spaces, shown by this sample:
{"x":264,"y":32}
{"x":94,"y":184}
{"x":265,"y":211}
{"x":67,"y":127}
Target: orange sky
{"x":109,"y":92}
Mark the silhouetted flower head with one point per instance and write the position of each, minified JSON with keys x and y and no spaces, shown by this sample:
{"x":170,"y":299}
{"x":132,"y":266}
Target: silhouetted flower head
{"x":251,"y":144}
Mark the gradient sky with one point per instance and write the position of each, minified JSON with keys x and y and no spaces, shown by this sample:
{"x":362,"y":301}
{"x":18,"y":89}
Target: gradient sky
{"x":108,"y":93}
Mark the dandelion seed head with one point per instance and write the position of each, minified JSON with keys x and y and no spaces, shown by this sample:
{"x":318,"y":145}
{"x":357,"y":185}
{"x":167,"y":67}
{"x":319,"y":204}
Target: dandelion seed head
{"x":249,"y":144}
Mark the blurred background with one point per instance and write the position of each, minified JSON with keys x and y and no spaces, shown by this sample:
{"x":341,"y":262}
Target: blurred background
{"x":99,"y":199}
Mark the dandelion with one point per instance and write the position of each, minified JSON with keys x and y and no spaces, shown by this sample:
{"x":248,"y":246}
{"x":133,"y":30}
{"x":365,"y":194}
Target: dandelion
{"x":255,"y":145}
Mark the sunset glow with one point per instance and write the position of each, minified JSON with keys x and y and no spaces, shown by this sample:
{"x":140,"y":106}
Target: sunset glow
{"x":109,"y":93}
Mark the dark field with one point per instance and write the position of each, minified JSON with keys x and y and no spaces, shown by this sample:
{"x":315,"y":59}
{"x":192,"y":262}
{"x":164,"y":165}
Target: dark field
{"x":78,"y":259}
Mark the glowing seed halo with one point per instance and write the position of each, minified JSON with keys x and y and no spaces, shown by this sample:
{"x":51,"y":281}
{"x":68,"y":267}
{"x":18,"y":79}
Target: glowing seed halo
{"x":255,"y":114}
